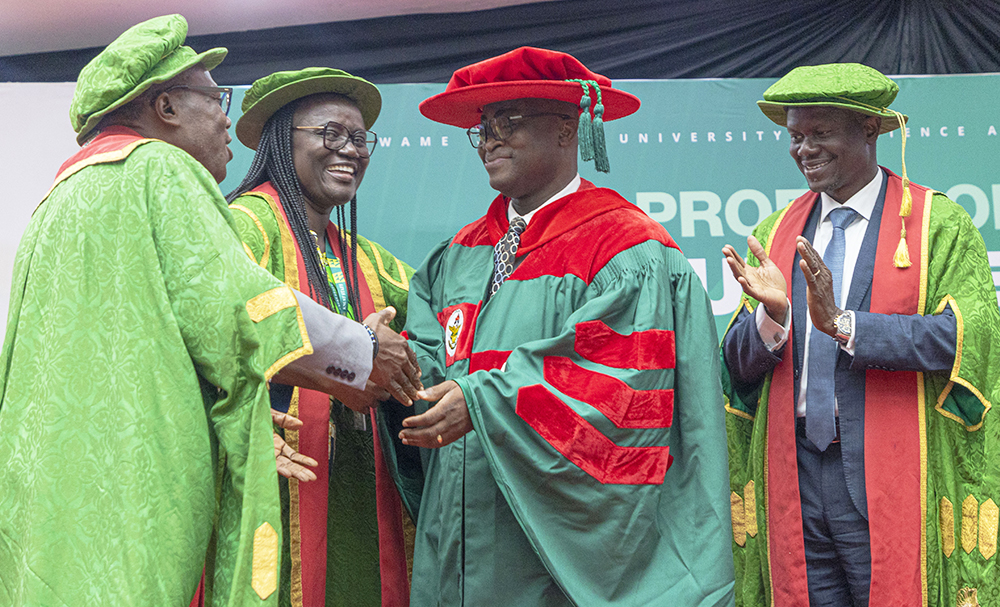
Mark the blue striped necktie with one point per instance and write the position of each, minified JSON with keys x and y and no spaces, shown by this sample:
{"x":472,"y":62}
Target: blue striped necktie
{"x":820,"y":388}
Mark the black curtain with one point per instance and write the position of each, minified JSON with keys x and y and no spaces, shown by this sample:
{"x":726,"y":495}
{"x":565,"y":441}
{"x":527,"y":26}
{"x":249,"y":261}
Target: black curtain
{"x":618,"y":38}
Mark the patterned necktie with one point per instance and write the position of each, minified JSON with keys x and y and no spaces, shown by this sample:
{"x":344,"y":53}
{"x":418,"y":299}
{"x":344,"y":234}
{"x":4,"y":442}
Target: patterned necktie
{"x":820,"y":390}
{"x":504,"y":252}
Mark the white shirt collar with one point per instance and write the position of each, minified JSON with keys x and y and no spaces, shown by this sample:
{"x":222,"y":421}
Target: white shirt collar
{"x":571,"y":187}
{"x":863,"y":200}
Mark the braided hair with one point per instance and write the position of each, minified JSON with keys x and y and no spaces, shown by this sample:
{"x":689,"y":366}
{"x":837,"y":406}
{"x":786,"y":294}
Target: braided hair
{"x":273,"y":162}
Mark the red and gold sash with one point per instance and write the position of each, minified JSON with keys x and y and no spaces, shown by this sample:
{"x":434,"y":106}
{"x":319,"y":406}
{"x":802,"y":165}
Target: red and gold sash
{"x":893,"y":426}
{"x":309,"y":501}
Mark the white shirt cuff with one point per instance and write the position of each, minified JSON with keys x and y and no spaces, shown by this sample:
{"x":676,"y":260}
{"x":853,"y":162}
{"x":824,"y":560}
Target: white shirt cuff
{"x":773,"y":334}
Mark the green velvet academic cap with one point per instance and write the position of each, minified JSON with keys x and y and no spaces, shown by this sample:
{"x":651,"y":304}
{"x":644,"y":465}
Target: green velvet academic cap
{"x":146,"y":54}
{"x":269,"y":94}
{"x":848,"y":85}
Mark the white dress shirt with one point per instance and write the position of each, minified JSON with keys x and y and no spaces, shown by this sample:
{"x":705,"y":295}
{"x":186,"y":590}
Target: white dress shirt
{"x":775,"y":335}
{"x":571,"y":187}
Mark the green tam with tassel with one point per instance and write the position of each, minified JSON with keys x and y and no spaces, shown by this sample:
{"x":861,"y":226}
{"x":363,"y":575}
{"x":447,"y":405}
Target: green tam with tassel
{"x":534,"y":73}
{"x":851,"y":86}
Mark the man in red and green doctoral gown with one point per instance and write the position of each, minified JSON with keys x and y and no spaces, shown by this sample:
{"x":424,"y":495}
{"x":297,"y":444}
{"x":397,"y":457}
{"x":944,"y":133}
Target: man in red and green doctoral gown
{"x":134,"y":410}
{"x":860,"y":371}
{"x":576,"y":451}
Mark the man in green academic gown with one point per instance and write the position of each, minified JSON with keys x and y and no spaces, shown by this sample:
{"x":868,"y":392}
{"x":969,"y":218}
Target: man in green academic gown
{"x":134,"y":411}
{"x":576,"y":454}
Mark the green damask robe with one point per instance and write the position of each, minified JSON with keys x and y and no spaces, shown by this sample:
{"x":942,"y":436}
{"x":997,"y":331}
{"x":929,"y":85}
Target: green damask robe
{"x":343,"y":537}
{"x":138,"y":345}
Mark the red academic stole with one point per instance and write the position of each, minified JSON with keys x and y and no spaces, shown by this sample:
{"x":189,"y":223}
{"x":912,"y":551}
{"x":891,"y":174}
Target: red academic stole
{"x":308,"y":501}
{"x":110,"y":145}
{"x":893,"y":431}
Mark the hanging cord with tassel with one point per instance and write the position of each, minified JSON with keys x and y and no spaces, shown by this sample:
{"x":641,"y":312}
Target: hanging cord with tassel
{"x":902,"y":257}
{"x":590,"y":133}
{"x":600,"y":148}
{"x":584,"y":129}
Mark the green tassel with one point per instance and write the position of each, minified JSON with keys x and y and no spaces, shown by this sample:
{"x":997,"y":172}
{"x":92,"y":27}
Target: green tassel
{"x":584,"y":128}
{"x":600,"y":149}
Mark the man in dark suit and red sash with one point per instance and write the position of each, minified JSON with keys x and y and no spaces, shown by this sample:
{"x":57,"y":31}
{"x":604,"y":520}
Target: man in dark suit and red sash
{"x":867,"y":374}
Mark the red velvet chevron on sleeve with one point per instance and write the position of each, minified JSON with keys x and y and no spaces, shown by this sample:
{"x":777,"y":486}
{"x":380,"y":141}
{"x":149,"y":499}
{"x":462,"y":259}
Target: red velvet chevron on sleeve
{"x":599,"y":343}
{"x":585,"y":446}
{"x":625,"y":407}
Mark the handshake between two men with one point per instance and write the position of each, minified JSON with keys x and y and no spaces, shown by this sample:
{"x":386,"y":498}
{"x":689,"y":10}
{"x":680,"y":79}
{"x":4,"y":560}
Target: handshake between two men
{"x":348,"y":364}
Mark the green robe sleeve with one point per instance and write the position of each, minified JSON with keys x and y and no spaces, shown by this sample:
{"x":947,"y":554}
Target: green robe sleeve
{"x":585,"y":458}
{"x":963,"y":437}
{"x":406,"y":463}
{"x":240,"y":326}
{"x":137,"y":349}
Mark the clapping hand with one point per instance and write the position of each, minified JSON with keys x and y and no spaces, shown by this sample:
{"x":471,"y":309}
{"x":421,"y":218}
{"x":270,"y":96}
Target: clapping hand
{"x":764,"y":283}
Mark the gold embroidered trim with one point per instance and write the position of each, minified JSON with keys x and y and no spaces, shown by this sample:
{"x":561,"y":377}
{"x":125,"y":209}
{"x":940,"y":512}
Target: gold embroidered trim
{"x":989,"y":520}
{"x":264,"y":579}
{"x":922,"y":429}
{"x":270,"y":302}
{"x":946,"y":519}
{"x":736,"y":412}
{"x":921,"y":394}
{"x":371,"y":277}
{"x":767,"y":516}
{"x":970,"y":515}
{"x":750,"y":509}
{"x":954,"y":378}
{"x":104,"y":158}
{"x":967,"y":598}
{"x":294,"y":354}
{"x":739,"y":528}
{"x":403,"y":282}
{"x":295,"y":529}
{"x":262,"y":262}
{"x":289,"y":258}
{"x":925,"y":228}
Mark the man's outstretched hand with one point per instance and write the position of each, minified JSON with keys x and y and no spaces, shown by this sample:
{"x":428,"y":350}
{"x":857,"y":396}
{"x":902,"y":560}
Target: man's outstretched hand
{"x":444,"y":423}
{"x":395,"y":368}
{"x":291,"y":463}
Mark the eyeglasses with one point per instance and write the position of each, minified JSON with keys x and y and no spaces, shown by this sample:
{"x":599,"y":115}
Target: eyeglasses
{"x":225,"y":93}
{"x":501,"y":127}
{"x":336,"y":136}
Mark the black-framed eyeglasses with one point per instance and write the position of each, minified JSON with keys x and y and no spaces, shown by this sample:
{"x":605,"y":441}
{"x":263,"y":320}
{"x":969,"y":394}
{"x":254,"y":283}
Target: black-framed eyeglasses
{"x":225,"y":93}
{"x":501,"y":127}
{"x":336,"y":136}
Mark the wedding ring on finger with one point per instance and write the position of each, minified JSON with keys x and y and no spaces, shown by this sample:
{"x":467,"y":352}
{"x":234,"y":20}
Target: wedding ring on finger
{"x":440,"y":440}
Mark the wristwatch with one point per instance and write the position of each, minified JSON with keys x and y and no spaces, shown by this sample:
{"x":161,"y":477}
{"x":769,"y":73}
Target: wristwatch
{"x":844,"y":323}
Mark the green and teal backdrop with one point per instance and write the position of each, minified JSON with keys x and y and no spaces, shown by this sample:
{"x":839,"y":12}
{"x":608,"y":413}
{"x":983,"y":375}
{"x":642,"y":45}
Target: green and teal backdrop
{"x":698,"y":157}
